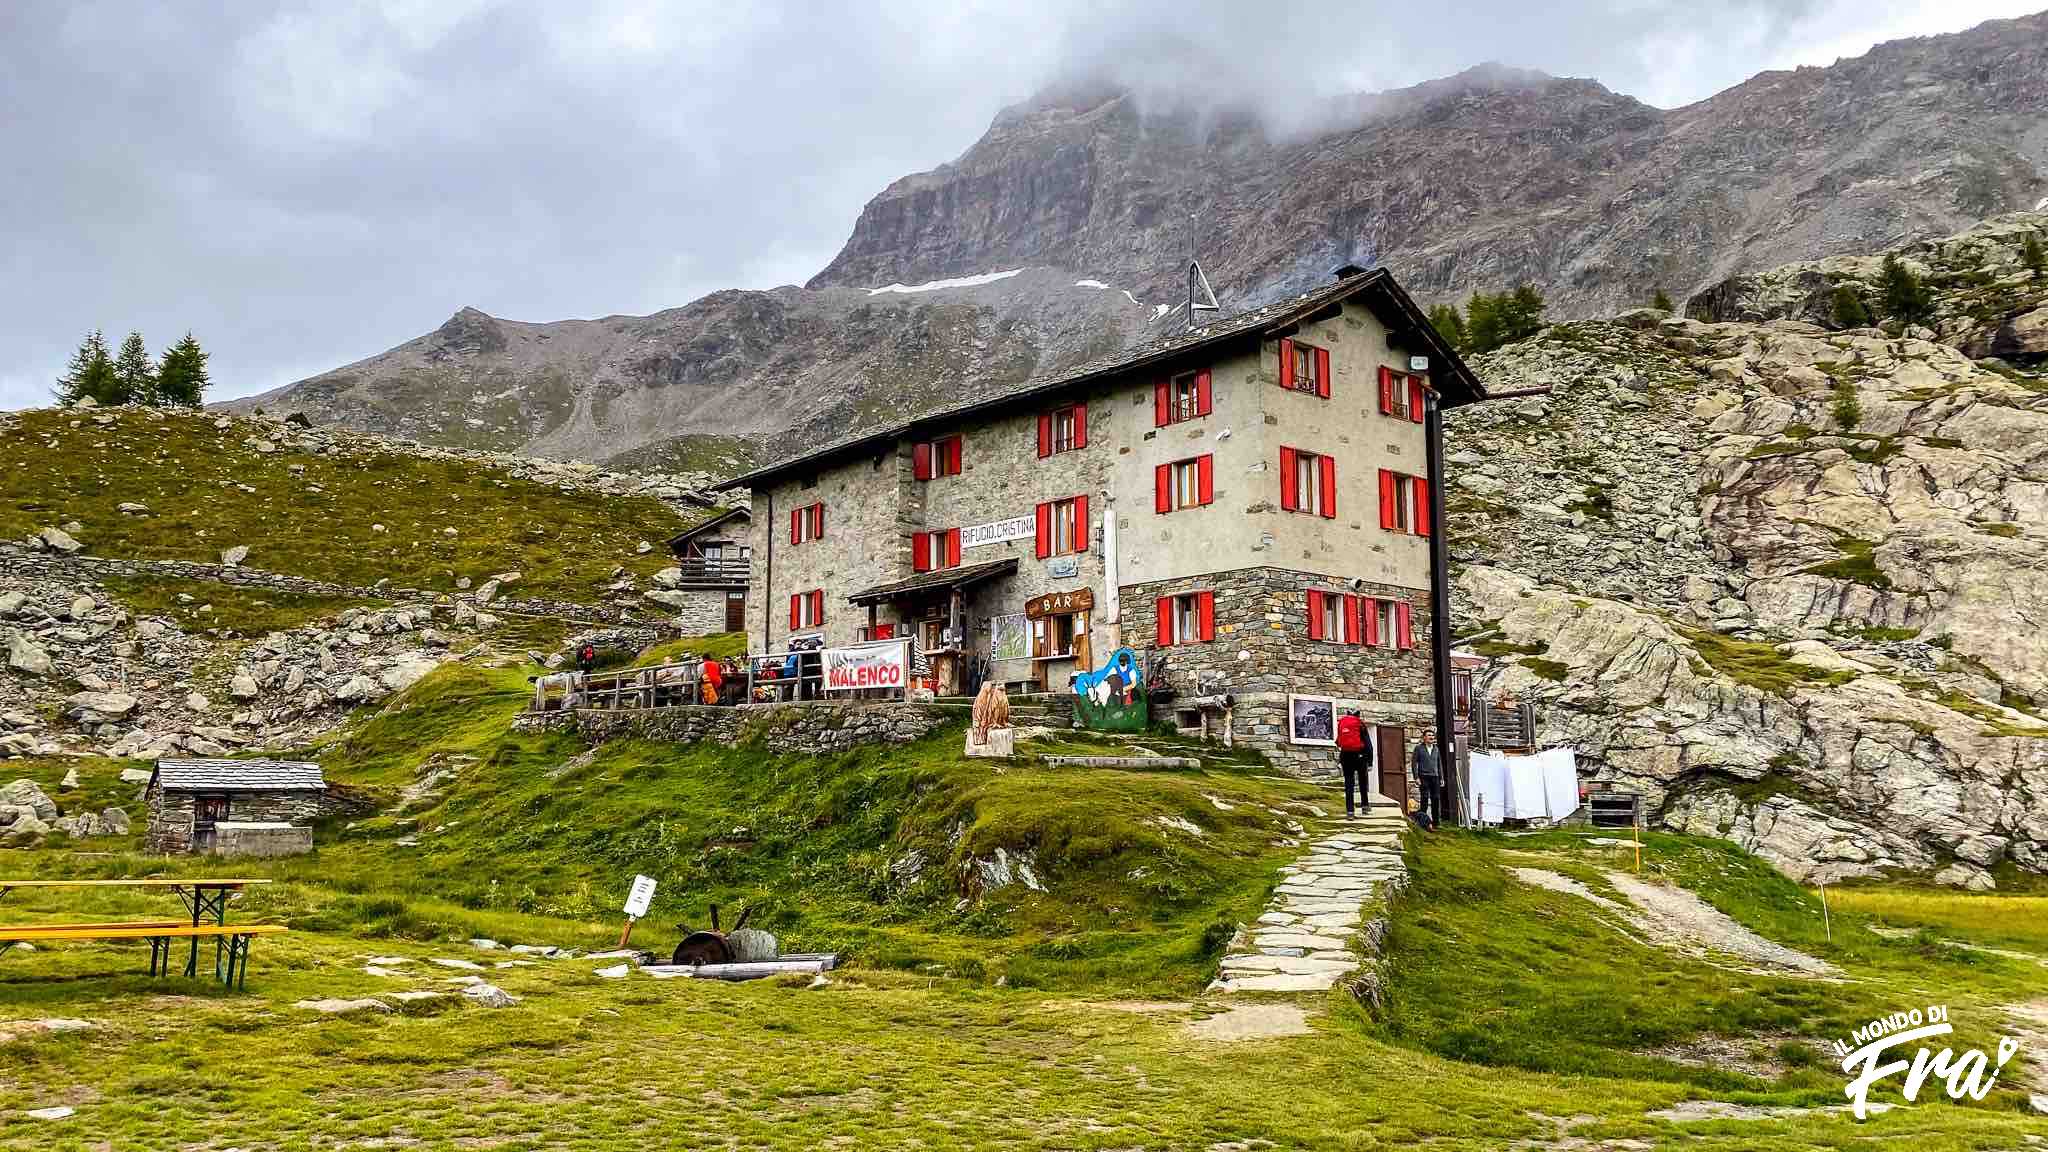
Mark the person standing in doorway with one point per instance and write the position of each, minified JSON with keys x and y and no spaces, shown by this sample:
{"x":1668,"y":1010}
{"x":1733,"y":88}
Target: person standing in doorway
{"x":1429,"y":776}
{"x":1354,"y":757}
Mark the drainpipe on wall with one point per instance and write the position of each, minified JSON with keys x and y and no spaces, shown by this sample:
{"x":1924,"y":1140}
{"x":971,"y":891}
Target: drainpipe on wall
{"x":1440,"y":593}
{"x":767,"y":586}
{"x":1112,"y":600}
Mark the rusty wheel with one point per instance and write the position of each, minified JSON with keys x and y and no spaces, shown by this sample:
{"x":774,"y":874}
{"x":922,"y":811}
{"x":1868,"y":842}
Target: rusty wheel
{"x":703,"y":948}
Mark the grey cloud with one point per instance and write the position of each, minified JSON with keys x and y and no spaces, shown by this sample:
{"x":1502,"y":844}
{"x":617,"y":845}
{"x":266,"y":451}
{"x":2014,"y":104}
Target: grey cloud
{"x":306,"y":183}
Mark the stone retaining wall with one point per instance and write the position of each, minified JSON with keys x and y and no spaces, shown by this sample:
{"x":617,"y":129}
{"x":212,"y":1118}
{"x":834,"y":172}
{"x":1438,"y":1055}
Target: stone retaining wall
{"x":16,"y":560}
{"x":806,"y":728}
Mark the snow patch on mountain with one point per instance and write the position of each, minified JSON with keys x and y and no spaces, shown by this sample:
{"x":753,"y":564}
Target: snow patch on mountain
{"x":954,"y":282}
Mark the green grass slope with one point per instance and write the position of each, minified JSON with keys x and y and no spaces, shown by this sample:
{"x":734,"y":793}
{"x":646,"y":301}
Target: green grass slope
{"x":311,"y":514}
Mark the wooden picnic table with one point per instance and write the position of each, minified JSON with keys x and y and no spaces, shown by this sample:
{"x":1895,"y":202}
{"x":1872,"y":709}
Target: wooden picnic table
{"x":202,"y":898}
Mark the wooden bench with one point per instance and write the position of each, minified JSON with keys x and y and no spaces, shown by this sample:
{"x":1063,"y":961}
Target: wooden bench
{"x":160,"y":934}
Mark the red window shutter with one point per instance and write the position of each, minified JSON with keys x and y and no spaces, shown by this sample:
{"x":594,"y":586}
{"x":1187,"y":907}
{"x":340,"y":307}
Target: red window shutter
{"x":1205,"y":608}
{"x":1404,"y":631}
{"x":1044,"y":531}
{"x":1166,"y":621}
{"x":1323,"y":373}
{"x":1081,"y":531}
{"x":817,"y":521}
{"x":1421,"y":487}
{"x":1205,"y":479}
{"x":1287,"y":363}
{"x":1386,"y":390}
{"x":1202,"y":392}
{"x":1386,"y":500}
{"x":1162,"y":488}
{"x":953,"y":456}
{"x":818,"y":606}
{"x":920,"y":551}
{"x":1415,"y":399}
{"x":1162,"y":398}
{"x":1289,"y":498}
{"x":796,"y":525}
{"x":1350,"y":619}
{"x":1329,"y":467}
{"x":1045,"y":433}
{"x":1371,"y":610}
{"x":921,"y":462}
{"x":1315,"y":614}
{"x":796,"y":611}
{"x":953,"y":548}
{"x":1080,"y":425}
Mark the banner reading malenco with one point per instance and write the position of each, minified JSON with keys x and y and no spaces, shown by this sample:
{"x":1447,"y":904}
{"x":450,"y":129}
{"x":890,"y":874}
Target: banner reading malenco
{"x":879,"y":666}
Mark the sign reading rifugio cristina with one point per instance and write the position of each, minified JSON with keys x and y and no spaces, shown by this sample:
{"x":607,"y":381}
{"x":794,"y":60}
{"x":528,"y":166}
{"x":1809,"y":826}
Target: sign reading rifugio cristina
{"x":999,"y":532}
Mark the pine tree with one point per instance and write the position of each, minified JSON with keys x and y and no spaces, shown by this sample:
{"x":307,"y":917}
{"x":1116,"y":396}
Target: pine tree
{"x":2033,"y":257}
{"x":1448,"y":324}
{"x":1660,"y":301}
{"x":1848,"y":309}
{"x":1906,"y":299}
{"x":90,"y":375}
{"x":132,"y":368}
{"x":181,"y":376}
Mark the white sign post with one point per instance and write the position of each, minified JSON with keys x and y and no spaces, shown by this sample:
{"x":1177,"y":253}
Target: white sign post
{"x":637,"y":901}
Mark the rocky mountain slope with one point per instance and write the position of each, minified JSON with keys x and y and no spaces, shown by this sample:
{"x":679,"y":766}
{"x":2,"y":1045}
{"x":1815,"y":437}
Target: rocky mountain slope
{"x":1784,"y":579}
{"x":1478,"y":181}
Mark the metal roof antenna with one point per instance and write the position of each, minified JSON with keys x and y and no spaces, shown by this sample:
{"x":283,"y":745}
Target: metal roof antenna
{"x":1201,"y":297}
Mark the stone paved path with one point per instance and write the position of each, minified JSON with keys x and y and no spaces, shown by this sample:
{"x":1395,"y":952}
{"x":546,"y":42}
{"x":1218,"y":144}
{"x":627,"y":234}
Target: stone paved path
{"x":1310,"y":936}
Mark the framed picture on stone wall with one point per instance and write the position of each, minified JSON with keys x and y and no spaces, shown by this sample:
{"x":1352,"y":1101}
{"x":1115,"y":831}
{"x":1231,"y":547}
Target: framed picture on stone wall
{"x":1312,"y":720}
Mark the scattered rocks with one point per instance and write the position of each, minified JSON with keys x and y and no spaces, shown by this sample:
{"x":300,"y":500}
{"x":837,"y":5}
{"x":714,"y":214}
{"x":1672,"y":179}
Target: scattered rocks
{"x":339,"y":1007}
{"x":24,"y":793}
{"x":58,"y":540}
{"x":490,"y":995}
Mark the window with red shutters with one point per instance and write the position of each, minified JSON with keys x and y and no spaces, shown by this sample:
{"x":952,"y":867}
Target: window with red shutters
{"x":1400,"y":395}
{"x":806,"y":523}
{"x":807,"y":609}
{"x":1308,"y":482}
{"x":1189,"y":618}
{"x":1184,"y":484}
{"x":1063,"y":527}
{"x":1184,"y":397}
{"x":1063,"y":430}
{"x":936,"y":458}
{"x":1305,"y":368}
{"x":1404,"y":503}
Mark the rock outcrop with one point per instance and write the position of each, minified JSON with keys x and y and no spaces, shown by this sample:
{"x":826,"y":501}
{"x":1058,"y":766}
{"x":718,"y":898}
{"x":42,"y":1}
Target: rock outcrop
{"x":1782,"y":579}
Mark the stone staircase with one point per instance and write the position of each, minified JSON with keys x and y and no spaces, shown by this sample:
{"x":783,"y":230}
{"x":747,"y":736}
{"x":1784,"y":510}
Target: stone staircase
{"x":1315,"y":931}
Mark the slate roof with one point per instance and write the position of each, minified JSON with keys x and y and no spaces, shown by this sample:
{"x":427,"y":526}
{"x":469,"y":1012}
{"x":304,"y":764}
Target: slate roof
{"x":238,"y":776}
{"x":697,"y":530}
{"x":933,"y":581}
{"x":1454,"y":381}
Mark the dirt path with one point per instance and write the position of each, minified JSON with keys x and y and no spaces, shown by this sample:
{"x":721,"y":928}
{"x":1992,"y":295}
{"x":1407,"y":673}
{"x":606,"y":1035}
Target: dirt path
{"x":1671,"y":917}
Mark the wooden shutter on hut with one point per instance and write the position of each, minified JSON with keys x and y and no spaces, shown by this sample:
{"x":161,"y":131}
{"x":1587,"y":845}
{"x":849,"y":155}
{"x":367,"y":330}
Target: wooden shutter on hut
{"x":1386,"y":390}
{"x":1080,"y":425}
{"x":1205,"y":479}
{"x":1289,"y":501}
{"x":1328,"y":495}
{"x":1421,"y":487}
{"x":920,"y":551}
{"x":1044,"y":531}
{"x":1404,"y":631}
{"x":1081,"y":530}
{"x":1286,"y":363}
{"x":1162,"y":488}
{"x":1165,"y":609}
{"x":1386,"y":499}
{"x":818,"y":606}
{"x":953,"y":456}
{"x":1205,"y":608}
{"x":1315,"y":614}
{"x":1350,"y":619}
{"x":1323,"y":373}
{"x":953,"y":548}
{"x":1162,"y":401}
{"x":817,"y":521}
{"x":1370,"y":608}
{"x":796,"y":525}
{"x":1415,"y":399}
{"x":1045,"y":433}
{"x":796,"y":610}
{"x":921,"y":461}
{"x":1202,"y":395}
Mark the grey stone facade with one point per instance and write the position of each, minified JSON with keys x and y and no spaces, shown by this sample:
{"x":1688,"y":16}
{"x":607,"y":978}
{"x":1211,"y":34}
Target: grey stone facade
{"x":695,"y":611}
{"x":1262,"y":654}
{"x":171,"y":814}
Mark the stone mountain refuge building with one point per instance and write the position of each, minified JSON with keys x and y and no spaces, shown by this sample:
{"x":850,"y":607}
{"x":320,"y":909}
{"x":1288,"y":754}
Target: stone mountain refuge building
{"x":1255,"y":498}
{"x":707,"y":586}
{"x":233,"y":807}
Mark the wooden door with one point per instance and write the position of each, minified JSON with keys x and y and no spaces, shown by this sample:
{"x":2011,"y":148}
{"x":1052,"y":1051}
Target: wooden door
{"x":1390,"y":758}
{"x":736,"y":612}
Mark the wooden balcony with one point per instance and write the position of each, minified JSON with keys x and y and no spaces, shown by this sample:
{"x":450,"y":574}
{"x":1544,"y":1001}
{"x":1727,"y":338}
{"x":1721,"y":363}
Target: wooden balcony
{"x":723,"y":573}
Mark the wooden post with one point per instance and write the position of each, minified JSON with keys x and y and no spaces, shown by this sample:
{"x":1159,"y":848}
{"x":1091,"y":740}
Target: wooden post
{"x":1825,"y":921}
{"x":626,"y":933}
{"x":1636,"y":831}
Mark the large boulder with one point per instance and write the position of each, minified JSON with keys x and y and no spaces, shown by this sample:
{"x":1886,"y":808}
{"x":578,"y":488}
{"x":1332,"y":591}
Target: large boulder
{"x":58,"y":540}
{"x":25,"y":655}
{"x":24,"y":793}
{"x":99,"y":707}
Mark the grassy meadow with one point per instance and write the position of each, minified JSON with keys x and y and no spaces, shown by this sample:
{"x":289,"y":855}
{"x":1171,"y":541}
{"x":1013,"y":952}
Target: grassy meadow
{"x":1071,"y":1015}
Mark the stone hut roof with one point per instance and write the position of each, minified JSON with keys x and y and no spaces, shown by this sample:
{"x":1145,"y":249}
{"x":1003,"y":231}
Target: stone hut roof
{"x":237,"y":776}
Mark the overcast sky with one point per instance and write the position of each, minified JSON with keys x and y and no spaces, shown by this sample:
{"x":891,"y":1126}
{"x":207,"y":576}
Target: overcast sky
{"x":303,"y":184}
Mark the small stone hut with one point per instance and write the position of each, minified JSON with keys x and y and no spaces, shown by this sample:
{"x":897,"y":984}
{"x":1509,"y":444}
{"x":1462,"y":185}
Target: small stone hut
{"x":233,"y":807}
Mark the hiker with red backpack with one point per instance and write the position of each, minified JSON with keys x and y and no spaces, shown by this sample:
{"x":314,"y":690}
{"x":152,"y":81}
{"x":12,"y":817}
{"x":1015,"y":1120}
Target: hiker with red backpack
{"x":1354,"y":756}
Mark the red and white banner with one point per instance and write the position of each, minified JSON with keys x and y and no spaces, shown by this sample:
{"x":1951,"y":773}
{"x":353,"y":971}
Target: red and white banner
{"x":874,"y":666}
